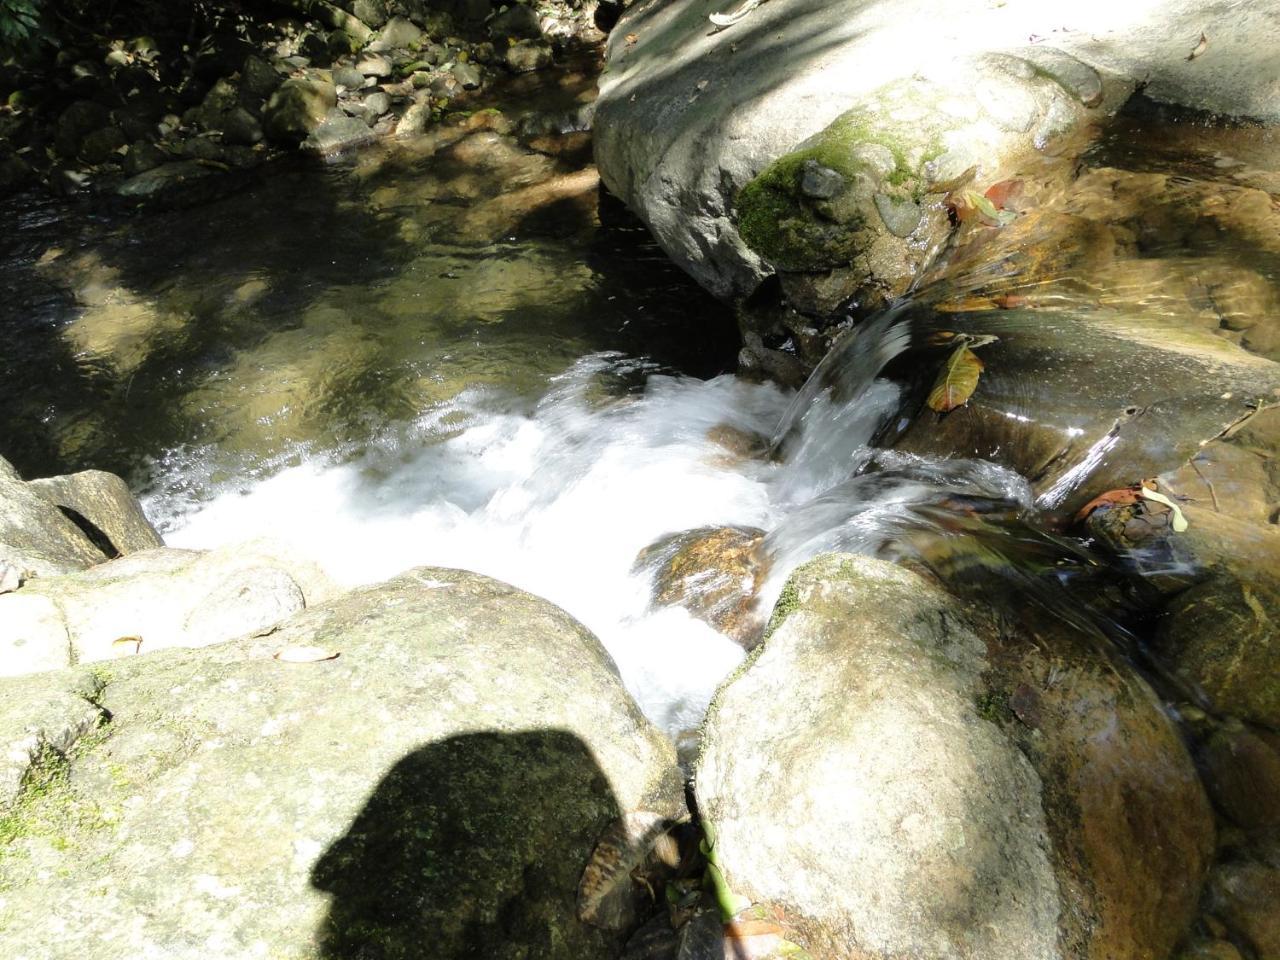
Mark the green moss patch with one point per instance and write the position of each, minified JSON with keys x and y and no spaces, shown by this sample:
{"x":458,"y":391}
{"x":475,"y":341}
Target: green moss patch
{"x":797,"y":233}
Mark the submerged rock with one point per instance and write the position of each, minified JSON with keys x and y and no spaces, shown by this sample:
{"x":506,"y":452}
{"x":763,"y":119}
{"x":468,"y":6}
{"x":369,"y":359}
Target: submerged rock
{"x":912,"y":778}
{"x":526,"y":56}
{"x":713,"y":572}
{"x":437,"y":788}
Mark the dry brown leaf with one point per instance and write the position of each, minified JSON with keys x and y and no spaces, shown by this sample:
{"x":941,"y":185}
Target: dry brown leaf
{"x":126,"y":646}
{"x":305,"y":654}
{"x":1112,"y":498}
{"x":957,"y":380}
{"x":631,"y":39}
{"x":1199,"y":48}
{"x":1003,"y":193}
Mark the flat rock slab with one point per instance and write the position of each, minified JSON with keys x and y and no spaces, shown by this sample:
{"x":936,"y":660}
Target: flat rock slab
{"x":432,"y":791}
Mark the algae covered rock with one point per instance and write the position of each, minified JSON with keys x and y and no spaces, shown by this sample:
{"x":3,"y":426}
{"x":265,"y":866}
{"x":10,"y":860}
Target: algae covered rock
{"x":910,"y":778}
{"x":433,"y":790}
{"x":689,"y":115}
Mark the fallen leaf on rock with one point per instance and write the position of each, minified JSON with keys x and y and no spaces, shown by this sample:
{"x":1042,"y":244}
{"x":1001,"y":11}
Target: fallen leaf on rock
{"x":631,"y":39}
{"x":970,"y":205}
{"x":1179,"y":521}
{"x":1003,"y":193}
{"x":1199,"y":48}
{"x":1112,"y":498}
{"x":126,"y":646}
{"x":957,"y":380}
{"x":305,"y":654}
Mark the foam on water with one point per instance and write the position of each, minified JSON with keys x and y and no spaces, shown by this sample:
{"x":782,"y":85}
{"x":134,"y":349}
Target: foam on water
{"x":557,"y":500}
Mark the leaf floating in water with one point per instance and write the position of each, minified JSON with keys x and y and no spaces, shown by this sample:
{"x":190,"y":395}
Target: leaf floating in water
{"x":1003,"y":193}
{"x":1199,"y":48}
{"x":126,"y":646}
{"x":1179,"y":521}
{"x":605,"y":893}
{"x":957,"y":380}
{"x":305,"y":654}
{"x":971,"y":204}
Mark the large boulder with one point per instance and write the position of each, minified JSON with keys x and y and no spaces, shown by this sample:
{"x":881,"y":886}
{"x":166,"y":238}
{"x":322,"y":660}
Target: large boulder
{"x":298,"y":107}
{"x":433,"y":790}
{"x":754,"y":147}
{"x":152,"y":600}
{"x":36,"y":538}
{"x":909,"y":777}
{"x":102,"y":502}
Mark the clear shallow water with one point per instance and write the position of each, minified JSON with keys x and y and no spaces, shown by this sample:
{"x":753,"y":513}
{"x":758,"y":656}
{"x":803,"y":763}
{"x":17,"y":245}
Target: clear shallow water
{"x":451,"y":353}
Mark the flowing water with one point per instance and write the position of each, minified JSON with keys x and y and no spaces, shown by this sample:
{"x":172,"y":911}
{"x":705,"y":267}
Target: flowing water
{"x":438,"y":353}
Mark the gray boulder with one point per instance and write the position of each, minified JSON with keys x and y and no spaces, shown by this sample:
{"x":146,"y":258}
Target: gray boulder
{"x":298,"y":107}
{"x":434,"y":790}
{"x":398,"y":34}
{"x":525,"y":56}
{"x":103,"y":501}
{"x":906,"y":780}
{"x":689,"y":116}
{"x":338,"y":132}
{"x":258,"y":80}
{"x":36,"y":538}
{"x":518,"y":21}
{"x":150,"y":601}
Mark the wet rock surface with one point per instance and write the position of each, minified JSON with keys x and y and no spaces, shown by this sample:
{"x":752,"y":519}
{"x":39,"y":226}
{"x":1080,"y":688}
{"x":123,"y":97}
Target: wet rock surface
{"x":455,"y":804}
{"x":984,"y":814}
{"x":715,"y":574}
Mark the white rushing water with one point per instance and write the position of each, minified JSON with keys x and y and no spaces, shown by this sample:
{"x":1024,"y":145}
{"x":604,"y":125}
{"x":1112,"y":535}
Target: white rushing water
{"x":559,"y":497}
{"x":557,"y":500}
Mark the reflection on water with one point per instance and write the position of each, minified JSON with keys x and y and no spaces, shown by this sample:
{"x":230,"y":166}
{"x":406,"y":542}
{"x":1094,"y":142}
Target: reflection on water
{"x":306,"y":313}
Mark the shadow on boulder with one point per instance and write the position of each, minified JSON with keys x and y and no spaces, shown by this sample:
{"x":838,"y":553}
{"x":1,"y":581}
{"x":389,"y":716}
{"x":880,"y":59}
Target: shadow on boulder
{"x":472,"y":846}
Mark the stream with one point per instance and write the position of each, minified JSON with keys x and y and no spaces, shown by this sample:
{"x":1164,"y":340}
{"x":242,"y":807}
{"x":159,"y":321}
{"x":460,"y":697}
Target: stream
{"x":454,"y":352}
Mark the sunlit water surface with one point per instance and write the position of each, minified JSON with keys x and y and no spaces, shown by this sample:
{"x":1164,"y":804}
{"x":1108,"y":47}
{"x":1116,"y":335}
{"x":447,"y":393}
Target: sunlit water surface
{"x":438,"y":354}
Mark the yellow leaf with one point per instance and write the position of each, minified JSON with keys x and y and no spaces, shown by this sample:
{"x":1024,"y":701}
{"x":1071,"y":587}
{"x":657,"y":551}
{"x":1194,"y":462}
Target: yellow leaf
{"x":956,"y":381}
{"x":305,"y":654}
{"x":126,"y":646}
